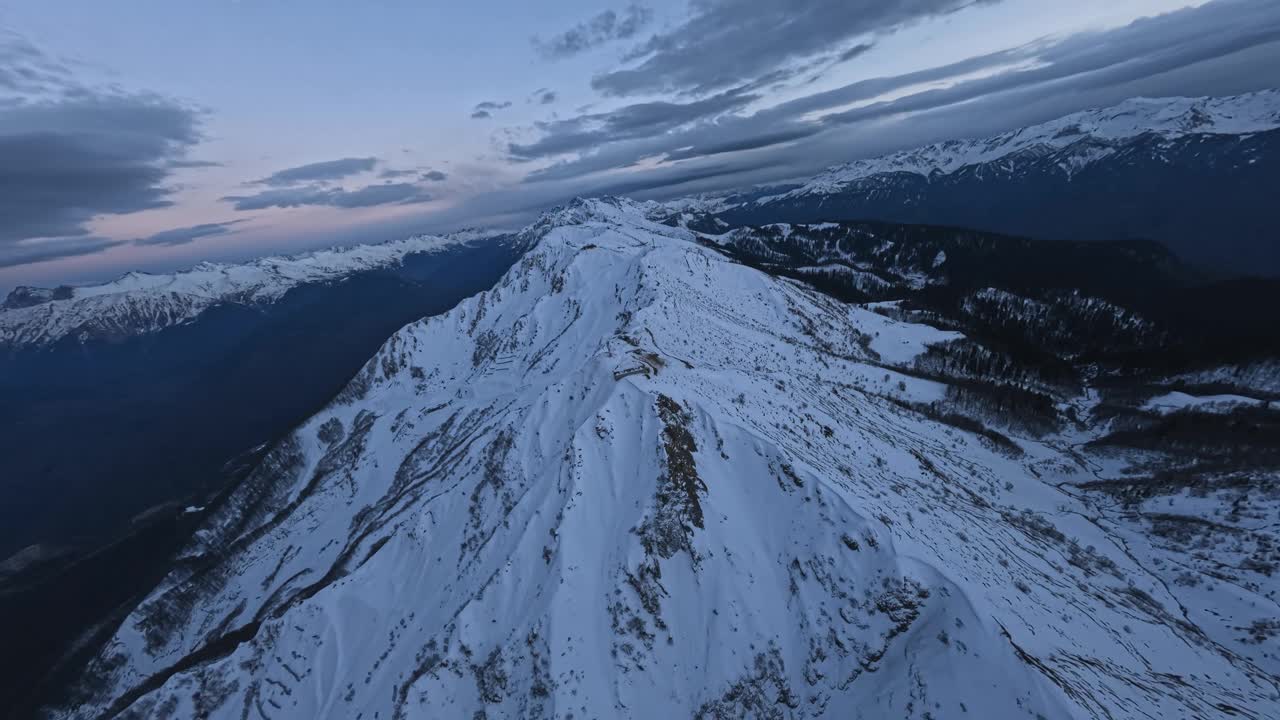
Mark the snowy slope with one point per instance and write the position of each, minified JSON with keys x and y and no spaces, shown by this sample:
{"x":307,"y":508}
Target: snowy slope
{"x":637,"y":479}
{"x":1178,"y":401}
{"x":1093,"y":135}
{"x":139,"y":303}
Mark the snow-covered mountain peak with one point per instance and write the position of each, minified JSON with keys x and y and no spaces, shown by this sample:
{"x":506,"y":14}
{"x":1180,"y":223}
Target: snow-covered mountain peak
{"x":604,"y":211}
{"x":638,"y":479}
{"x":706,"y":203}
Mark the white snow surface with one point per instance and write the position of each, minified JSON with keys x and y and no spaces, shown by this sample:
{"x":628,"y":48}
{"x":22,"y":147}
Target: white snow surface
{"x":636,"y":479}
{"x":140,"y":303}
{"x":704,"y":203}
{"x":1176,"y":401}
{"x":1095,"y":133}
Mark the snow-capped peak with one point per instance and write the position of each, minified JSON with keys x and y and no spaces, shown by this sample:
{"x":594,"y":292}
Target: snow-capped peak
{"x":1094,"y":132}
{"x":605,"y":210}
{"x":694,"y":204}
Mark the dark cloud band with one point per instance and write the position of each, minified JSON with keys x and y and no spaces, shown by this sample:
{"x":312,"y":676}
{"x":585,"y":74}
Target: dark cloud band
{"x":319,"y":171}
{"x":72,"y":153}
{"x":182,"y":236}
{"x":730,"y":42}
{"x":28,"y":252}
{"x":316,"y":195}
{"x":606,"y":27}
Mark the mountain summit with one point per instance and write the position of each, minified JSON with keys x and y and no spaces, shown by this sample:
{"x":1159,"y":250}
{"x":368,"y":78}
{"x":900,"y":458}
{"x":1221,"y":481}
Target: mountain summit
{"x":639,"y":479}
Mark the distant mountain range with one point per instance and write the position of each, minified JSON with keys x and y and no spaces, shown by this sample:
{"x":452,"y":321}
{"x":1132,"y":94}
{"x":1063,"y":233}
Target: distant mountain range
{"x":1197,"y":174}
{"x":141,"y":303}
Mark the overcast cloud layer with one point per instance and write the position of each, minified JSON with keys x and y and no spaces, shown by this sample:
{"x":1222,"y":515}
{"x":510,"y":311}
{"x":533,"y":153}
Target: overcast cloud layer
{"x":1024,"y":84}
{"x":726,"y":42}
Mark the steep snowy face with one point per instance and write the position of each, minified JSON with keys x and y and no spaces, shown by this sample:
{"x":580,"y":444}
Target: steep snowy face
{"x":638,"y":479}
{"x":1074,"y":141}
{"x":140,"y":303}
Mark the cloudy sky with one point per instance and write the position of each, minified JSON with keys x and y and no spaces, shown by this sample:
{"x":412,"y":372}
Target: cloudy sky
{"x":153,"y":134}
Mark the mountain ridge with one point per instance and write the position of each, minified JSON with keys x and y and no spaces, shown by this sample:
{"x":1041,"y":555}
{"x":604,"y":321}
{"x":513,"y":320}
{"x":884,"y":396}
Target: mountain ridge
{"x":139,"y":303}
{"x":563,"y":494}
{"x":1102,"y":130}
